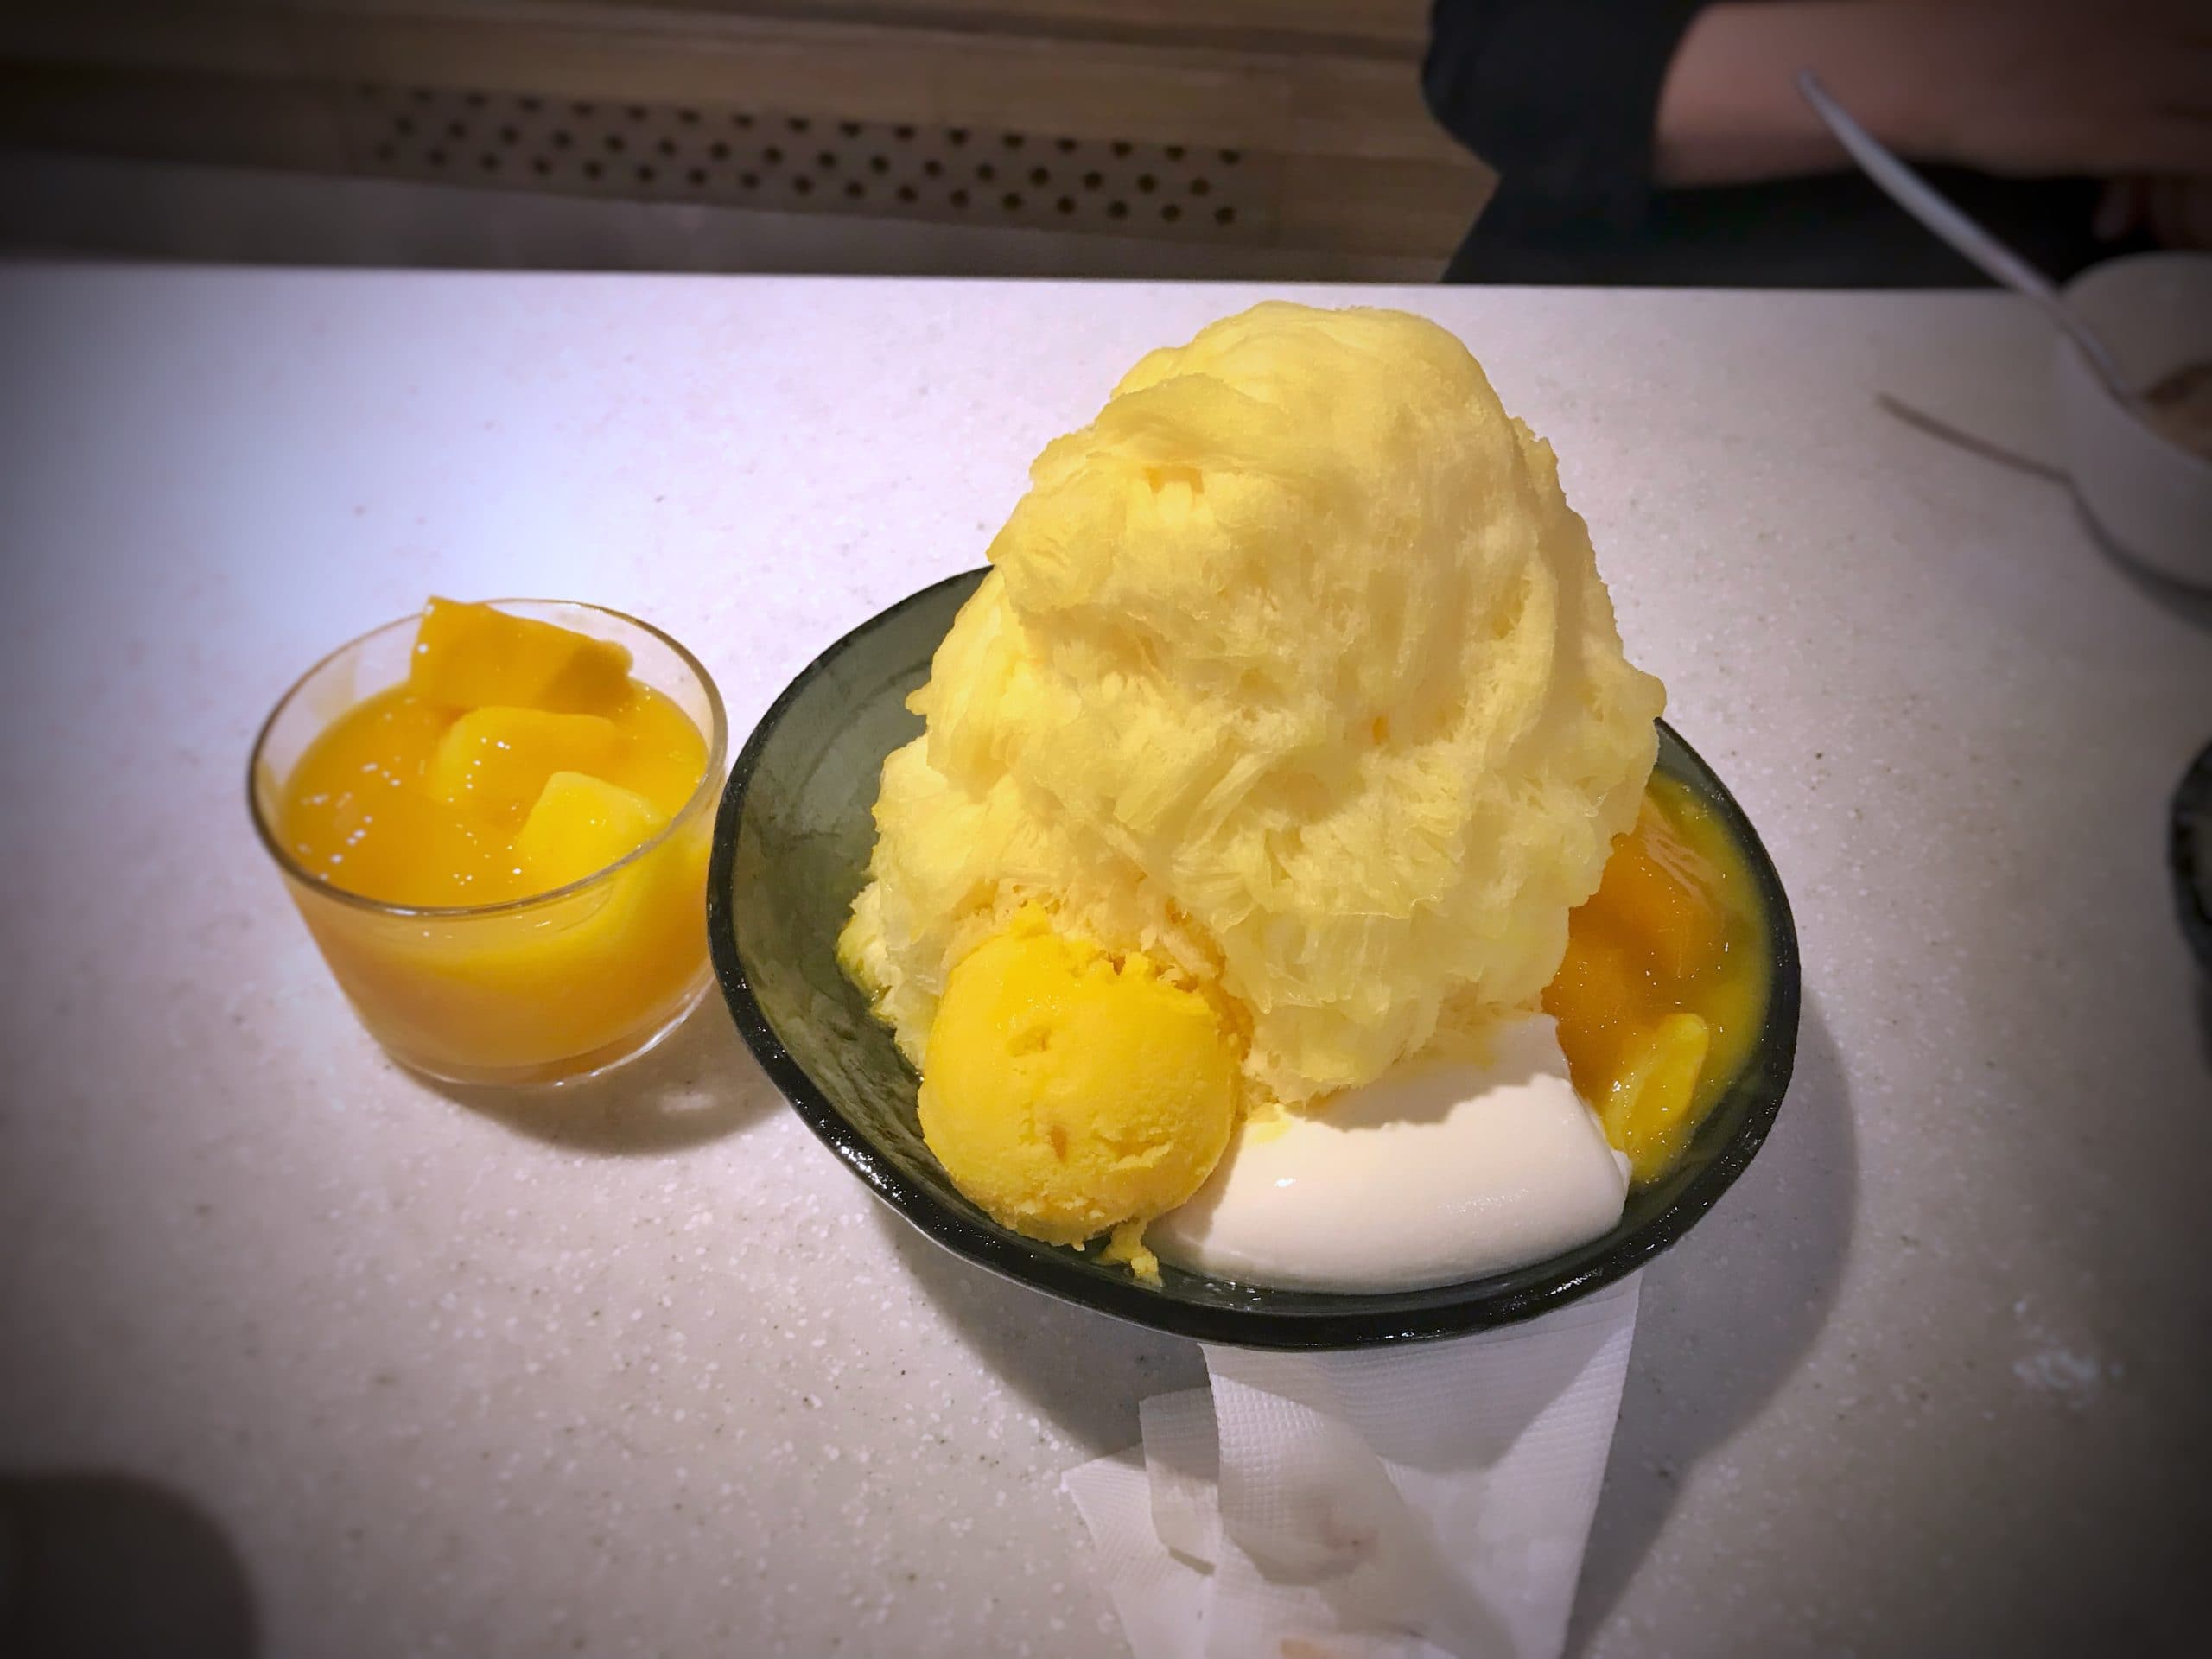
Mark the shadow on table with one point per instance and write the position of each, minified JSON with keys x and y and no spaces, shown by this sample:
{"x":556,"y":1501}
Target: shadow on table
{"x":1082,"y":1369}
{"x":698,"y":1085}
{"x":2192,"y":605}
{"x":1702,"y":1367}
{"x":111,"y":1566}
{"x":1726,"y":1317}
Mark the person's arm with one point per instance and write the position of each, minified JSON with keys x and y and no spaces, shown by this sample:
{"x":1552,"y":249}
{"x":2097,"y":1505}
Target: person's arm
{"x":2028,"y":89}
{"x":1559,"y":96}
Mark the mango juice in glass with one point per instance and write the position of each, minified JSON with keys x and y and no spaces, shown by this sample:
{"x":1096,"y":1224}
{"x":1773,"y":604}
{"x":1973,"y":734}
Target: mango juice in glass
{"x":495,"y":821}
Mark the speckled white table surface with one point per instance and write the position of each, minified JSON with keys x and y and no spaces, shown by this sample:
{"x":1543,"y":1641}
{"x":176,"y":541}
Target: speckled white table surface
{"x":646,"y":1371}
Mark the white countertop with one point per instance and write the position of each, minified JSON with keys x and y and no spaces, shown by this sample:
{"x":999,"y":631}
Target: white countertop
{"x":648,"y":1372}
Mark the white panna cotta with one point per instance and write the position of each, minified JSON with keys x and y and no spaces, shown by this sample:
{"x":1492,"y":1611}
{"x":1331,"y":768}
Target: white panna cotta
{"x":1475,"y":1158}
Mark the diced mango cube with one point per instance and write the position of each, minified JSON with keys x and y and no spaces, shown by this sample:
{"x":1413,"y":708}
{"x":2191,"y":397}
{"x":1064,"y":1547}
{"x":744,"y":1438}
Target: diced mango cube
{"x":1596,"y":991}
{"x":496,"y":761}
{"x":579,"y":825}
{"x":469,"y":655}
{"x":1657,"y":893}
{"x":1647,"y":1112}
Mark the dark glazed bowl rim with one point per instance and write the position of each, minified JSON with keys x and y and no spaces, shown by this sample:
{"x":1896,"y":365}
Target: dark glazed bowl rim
{"x":2189,"y":856}
{"x":1361,"y":1320}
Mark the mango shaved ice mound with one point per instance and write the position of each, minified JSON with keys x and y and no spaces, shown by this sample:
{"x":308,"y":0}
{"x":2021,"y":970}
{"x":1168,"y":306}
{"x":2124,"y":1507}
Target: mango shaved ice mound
{"x":1293,"y":676}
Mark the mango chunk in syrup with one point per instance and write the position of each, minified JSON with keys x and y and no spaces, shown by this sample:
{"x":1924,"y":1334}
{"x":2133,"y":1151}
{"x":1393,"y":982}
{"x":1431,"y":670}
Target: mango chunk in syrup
{"x":470,"y":655}
{"x":1663,"y":985}
{"x":1649,"y":1113}
{"x":581,"y":824}
{"x":497,"y":759}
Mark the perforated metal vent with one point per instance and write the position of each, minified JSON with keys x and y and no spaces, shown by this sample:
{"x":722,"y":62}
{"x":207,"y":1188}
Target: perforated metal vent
{"x":796,"y":162}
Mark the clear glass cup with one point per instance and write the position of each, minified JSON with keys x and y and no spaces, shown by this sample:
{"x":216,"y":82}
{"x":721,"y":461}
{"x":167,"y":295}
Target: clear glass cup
{"x":535,"y":990}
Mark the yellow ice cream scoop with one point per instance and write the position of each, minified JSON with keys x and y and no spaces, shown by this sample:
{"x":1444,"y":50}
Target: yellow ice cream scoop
{"x":1070,"y":1092}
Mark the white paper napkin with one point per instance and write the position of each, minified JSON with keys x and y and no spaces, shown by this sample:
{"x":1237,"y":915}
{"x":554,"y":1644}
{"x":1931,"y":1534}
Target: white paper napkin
{"x":1182,"y":1463}
{"x":1391,"y":1503}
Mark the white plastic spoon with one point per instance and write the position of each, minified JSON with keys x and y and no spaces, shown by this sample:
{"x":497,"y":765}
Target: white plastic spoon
{"x":1928,"y":205}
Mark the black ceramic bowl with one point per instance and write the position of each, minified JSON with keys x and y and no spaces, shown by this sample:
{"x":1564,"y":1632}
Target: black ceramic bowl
{"x":2189,"y":855}
{"x":791,"y":846}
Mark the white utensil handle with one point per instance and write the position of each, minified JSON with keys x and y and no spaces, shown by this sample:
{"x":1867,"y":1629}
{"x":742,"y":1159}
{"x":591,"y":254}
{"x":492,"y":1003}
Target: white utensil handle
{"x":1917,"y":197}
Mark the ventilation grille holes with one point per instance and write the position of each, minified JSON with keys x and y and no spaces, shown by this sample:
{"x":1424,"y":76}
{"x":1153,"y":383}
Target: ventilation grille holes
{"x":811,"y":164}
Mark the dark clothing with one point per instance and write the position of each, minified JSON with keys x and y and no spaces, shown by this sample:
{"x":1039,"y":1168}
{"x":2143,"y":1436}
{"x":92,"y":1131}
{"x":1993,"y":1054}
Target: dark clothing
{"x":1562,"y":97}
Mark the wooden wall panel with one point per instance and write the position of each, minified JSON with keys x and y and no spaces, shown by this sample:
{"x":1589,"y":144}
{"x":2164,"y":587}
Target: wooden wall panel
{"x":1315,"y":103}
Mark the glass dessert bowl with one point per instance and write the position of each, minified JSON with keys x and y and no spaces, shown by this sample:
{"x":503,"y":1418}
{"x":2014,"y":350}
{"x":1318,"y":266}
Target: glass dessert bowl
{"x":791,"y":846}
{"x":590,"y":970}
